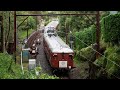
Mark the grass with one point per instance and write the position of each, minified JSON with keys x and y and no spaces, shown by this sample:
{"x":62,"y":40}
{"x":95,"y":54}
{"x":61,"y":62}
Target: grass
{"x":77,"y":62}
{"x":81,"y":66}
{"x":23,"y":34}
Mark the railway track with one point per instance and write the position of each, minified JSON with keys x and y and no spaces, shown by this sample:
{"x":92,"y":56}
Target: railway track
{"x":67,"y":76}
{"x":40,"y":58}
{"x":33,"y":38}
{"x":62,"y":75}
{"x":42,"y":61}
{"x":64,"y":78}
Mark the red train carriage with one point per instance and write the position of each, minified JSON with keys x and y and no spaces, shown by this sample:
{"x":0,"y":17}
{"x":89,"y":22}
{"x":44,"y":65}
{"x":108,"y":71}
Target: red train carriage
{"x":59,"y":59}
{"x":58,"y":53}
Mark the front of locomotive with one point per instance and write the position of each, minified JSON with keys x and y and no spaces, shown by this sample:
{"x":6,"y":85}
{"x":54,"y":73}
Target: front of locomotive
{"x":62,"y":60}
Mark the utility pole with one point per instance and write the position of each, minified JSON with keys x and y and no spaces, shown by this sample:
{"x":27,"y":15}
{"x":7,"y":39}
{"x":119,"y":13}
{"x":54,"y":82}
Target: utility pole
{"x":92,"y":67}
{"x":15,"y":35}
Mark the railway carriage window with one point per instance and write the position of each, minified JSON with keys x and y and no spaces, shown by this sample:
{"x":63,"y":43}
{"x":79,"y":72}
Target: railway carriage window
{"x":71,"y":56}
{"x":50,"y":31}
{"x":55,"y":56}
{"x":43,"y":31}
{"x":50,"y":35}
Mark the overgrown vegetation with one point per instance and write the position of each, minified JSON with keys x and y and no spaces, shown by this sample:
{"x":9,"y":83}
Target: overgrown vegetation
{"x":111,"y":29}
{"x":110,"y":61}
{"x":83,"y":30}
{"x":23,"y":34}
{"x":85,"y":36}
{"x":10,"y":70}
{"x":8,"y":26}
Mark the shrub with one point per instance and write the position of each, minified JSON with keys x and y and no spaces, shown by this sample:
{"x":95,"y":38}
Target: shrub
{"x":110,"y":26}
{"x":8,"y":69}
{"x":31,"y":23}
{"x":87,"y":36}
{"x":110,"y":62}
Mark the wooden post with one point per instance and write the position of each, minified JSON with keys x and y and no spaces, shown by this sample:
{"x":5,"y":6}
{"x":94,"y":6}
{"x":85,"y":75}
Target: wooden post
{"x":92,"y":68}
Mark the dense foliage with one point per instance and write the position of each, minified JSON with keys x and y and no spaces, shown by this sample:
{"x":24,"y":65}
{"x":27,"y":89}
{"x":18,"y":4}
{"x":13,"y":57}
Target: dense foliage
{"x":110,"y":61}
{"x":82,"y":30}
{"x":74,"y":23}
{"x":111,"y":28}
{"x":85,"y":38}
{"x":8,"y":26}
{"x":10,"y":70}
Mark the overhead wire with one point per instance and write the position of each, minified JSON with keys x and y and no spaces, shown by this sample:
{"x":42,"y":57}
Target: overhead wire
{"x":100,"y":67}
{"x":95,"y":51}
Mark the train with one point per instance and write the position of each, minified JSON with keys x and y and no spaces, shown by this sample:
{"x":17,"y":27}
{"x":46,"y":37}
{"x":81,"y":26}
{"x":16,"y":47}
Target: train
{"x":58,"y":53}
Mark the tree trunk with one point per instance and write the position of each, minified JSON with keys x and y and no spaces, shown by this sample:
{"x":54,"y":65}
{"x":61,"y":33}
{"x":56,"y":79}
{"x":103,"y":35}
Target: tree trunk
{"x":92,"y":67}
{"x":2,"y":35}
